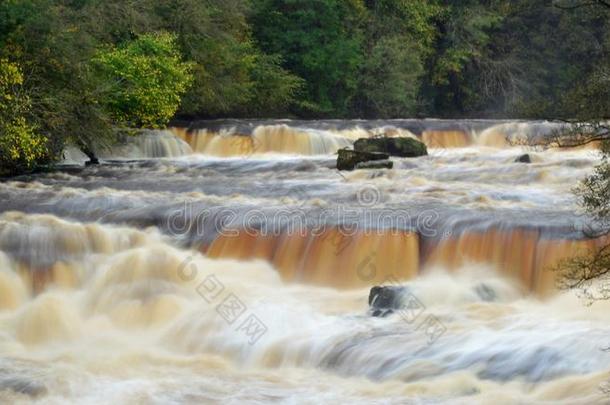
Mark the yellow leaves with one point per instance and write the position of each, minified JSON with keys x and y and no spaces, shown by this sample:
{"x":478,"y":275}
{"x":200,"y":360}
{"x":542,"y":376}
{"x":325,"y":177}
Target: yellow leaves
{"x":20,"y":145}
{"x":10,"y":75}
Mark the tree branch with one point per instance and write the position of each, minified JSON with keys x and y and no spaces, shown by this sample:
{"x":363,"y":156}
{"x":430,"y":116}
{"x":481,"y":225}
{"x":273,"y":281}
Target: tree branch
{"x":603,"y":3}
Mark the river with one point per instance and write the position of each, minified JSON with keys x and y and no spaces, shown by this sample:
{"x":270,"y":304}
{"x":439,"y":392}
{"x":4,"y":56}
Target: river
{"x":230,"y":262}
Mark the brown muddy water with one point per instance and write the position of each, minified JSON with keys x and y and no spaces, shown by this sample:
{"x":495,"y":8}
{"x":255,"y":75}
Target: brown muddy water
{"x":230,"y":262}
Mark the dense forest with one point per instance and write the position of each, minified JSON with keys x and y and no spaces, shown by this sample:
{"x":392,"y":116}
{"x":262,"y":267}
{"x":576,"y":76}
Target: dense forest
{"x":73,"y":71}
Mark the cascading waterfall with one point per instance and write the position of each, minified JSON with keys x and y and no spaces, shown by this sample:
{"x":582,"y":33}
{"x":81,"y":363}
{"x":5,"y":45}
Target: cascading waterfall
{"x":326,"y":137}
{"x":142,"y":309}
{"x":146,"y":144}
{"x":246,"y":138}
{"x":366,"y":258}
{"x":264,"y":139}
{"x":150,"y":144}
{"x":239,"y":265}
{"x":137,"y":302}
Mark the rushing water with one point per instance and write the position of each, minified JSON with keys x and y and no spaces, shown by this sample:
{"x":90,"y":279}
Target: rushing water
{"x":228,"y":261}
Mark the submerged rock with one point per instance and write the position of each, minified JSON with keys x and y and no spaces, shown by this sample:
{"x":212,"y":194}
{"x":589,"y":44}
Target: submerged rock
{"x":485,"y":292}
{"x":23,"y":386}
{"x":533,"y":365}
{"x":383,"y":300}
{"x":402,"y":147}
{"x":526,"y":158}
{"x":375,"y":164}
{"x":348,"y":159}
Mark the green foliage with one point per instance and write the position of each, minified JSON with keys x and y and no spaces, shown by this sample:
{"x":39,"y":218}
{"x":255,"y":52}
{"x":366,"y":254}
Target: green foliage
{"x":20,"y":145}
{"x":553,"y":52}
{"x":45,"y":38}
{"x":412,"y":19}
{"x":92,"y":66}
{"x":399,"y":37}
{"x":591,"y":99}
{"x":466,"y":33}
{"x":273,"y":88}
{"x":588,"y":104}
{"x":147,"y":78}
{"x":589,"y":271}
{"x":594,"y":193}
{"x":390,"y":79}
{"x":321,"y":42}
{"x":229,"y":70}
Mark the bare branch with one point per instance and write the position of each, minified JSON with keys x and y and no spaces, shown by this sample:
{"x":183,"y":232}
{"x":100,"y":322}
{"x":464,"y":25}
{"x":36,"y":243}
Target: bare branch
{"x":593,"y":3}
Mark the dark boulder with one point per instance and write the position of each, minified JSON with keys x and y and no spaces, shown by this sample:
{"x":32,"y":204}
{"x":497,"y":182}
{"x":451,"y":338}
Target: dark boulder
{"x":402,"y":147}
{"x":485,"y":292}
{"x":348,"y":159}
{"x":524,"y":159}
{"x":375,"y":164}
{"x":383,"y":300}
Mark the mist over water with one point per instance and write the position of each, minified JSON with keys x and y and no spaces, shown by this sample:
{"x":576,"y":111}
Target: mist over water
{"x":229,"y":261}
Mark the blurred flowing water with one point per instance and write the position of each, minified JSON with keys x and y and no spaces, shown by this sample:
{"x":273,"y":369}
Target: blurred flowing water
{"x":229,"y":261}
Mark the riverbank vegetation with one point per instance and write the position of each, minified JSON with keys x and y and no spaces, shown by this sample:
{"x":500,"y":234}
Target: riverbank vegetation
{"x":73,"y":71}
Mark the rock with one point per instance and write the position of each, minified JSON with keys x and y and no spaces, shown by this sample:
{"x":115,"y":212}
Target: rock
{"x":524,"y":159}
{"x":383,"y":300}
{"x":93,"y":160}
{"x":23,"y":386}
{"x":381,"y":313}
{"x":402,"y":147}
{"x":375,"y":164}
{"x":485,"y":292}
{"x":348,"y":159}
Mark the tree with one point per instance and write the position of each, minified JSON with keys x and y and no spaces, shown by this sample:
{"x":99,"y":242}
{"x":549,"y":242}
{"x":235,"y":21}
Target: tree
{"x":574,"y":4}
{"x":274,"y":88}
{"x":84,"y":61}
{"x":390,"y":79}
{"x":589,"y":271}
{"x":500,"y":58}
{"x":231,"y":76}
{"x":319,"y":41}
{"x":590,"y":104}
{"x":44,"y":37}
{"x":465,"y":35}
{"x":20,"y":145}
{"x":147,"y":80}
{"x":398,"y":37}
